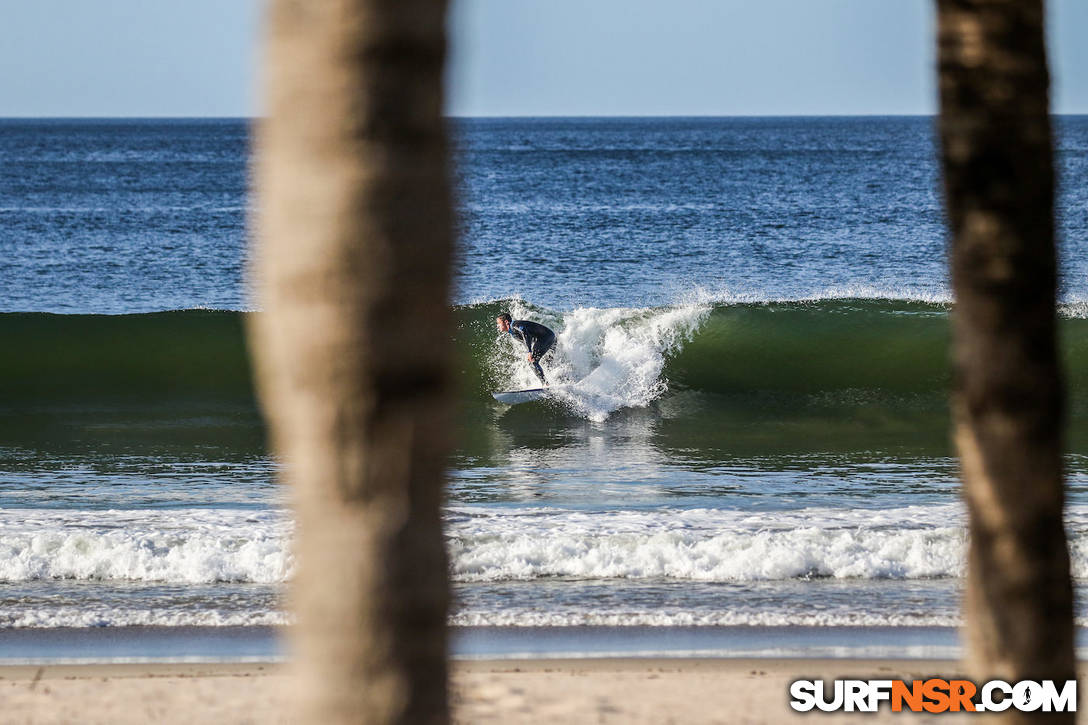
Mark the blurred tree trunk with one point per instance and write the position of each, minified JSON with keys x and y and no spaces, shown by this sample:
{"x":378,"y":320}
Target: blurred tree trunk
{"x":1008,"y":399}
{"x":354,"y":227}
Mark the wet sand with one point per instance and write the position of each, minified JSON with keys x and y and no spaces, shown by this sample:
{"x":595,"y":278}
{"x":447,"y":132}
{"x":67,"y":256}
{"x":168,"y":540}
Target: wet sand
{"x":612,"y":690}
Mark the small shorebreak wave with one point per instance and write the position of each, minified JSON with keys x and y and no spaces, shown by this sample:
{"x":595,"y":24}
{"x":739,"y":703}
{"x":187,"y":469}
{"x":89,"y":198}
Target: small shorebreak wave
{"x":202,"y":546}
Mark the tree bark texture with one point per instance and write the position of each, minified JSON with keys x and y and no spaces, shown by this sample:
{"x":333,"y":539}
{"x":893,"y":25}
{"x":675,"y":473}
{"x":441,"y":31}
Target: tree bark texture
{"x":354,"y":238}
{"x":1008,"y":394}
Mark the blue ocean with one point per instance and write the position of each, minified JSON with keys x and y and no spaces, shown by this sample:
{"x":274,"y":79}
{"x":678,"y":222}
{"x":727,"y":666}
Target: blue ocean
{"x":752,"y":434}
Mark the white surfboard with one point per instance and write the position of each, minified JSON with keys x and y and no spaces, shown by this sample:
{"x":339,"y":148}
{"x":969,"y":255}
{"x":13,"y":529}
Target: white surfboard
{"x":513,"y":397}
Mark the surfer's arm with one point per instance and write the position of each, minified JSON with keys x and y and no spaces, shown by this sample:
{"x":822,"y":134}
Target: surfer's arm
{"x":525,"y":337}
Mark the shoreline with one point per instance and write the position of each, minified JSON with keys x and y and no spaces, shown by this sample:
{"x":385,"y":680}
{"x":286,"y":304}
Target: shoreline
{"x":619,"y":690}
{"x":151,"y":644}
{"x":579,"y":685}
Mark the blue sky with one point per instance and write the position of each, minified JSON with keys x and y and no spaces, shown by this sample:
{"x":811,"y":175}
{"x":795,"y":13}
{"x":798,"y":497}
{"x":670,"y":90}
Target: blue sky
{"x":521,"y":57}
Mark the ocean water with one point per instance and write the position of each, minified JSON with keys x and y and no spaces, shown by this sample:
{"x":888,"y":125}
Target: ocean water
{"x":753,"y":330}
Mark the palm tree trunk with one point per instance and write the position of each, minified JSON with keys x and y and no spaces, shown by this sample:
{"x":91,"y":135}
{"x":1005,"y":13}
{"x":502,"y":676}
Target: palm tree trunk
{"x":1008,"y":398}
{"x":352,"y":344}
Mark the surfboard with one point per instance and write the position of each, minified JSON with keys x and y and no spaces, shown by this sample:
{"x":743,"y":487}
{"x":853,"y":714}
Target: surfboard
{"x":513,"y":397}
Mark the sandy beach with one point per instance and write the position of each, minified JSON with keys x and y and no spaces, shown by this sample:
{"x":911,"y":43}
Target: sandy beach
{"x":651,"y":690}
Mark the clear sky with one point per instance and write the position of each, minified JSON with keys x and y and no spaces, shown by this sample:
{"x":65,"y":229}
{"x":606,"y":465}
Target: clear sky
{"x":521,"y":57}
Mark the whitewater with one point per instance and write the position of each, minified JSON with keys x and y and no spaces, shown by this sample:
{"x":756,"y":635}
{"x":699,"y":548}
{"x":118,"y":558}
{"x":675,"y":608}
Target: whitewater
{"x":576,"y":553}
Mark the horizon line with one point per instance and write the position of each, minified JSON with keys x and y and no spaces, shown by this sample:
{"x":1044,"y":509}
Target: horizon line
{"x":224,"y":117}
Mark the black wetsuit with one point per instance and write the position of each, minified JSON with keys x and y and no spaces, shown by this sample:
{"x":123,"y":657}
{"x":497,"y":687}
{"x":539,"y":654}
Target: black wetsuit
{"x":539,"y":341}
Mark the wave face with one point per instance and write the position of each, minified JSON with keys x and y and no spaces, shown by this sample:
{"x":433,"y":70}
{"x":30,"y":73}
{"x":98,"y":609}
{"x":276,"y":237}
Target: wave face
{"x":769,"y":359}
{"x":187,"y":355}
{"x":750,"y":360}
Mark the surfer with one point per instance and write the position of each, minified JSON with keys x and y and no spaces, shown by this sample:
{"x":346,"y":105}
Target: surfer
{"x":539,"y":340}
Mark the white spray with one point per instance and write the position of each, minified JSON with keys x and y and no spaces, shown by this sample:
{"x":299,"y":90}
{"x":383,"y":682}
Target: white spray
{"x":605,"y":359}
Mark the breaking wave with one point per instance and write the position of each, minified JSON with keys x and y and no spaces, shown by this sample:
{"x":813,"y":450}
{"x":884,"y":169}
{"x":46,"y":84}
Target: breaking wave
{"x":167,"y":545}
{"x":607,"y":359}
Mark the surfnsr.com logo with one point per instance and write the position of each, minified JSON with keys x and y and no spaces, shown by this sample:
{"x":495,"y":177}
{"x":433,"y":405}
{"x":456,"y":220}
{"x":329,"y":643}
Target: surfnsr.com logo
{"x":934,"y":695}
